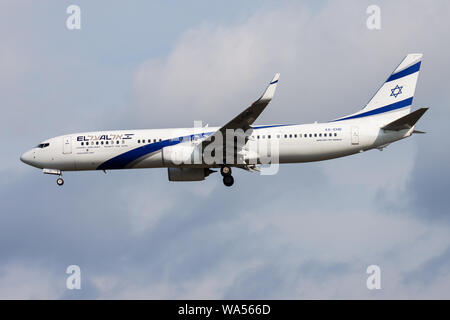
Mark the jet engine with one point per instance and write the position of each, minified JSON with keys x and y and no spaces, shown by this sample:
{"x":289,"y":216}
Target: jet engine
{"x":188,"y":174}
{"x":180,"y":154}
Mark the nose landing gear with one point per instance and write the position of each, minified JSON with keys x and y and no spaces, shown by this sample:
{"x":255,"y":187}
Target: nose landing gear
{"x":60,"y":181}
{"x":228,"y":179}
{"x":55,"y":172}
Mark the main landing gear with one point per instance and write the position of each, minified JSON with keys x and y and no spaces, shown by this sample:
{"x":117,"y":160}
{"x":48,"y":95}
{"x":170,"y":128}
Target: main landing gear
{"x":228,"y":179}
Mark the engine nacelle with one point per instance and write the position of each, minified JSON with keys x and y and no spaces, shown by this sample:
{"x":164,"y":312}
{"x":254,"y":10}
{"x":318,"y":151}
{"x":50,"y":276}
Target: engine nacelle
{"x":188,"y":174}
{"x":180,"y":154}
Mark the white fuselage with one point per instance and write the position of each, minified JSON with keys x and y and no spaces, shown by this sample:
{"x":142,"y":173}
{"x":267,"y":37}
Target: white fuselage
{"x":126,"y":149}
{"x":190,"y":153}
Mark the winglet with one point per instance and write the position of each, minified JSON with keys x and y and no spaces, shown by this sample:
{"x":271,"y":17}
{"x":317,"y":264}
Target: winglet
{"x":270,"y":91}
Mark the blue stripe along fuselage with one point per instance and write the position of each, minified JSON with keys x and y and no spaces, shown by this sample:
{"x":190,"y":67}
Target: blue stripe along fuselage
{"x":273,"y":126}
{"x":389,"y":107}
{"x":410,"y":70}
{"x":122,"y":160}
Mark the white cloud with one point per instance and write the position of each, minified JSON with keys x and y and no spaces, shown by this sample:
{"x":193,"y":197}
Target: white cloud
{"x":19,"y":281}
{"x":330,"y":63}
{"x":308,"y":232}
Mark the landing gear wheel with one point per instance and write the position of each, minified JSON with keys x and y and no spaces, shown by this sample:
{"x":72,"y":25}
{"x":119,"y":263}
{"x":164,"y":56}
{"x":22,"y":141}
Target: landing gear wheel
{"x":225,"y":171}
{"x":60,"y":181}
{"x":228,"y":180}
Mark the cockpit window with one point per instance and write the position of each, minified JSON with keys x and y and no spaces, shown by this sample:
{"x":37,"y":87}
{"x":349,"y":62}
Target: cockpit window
{"x":43,"y":145}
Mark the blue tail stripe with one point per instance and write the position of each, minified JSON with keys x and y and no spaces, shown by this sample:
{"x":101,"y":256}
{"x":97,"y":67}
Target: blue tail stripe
{"x":410,"y":70}
{"x":389,"y":107}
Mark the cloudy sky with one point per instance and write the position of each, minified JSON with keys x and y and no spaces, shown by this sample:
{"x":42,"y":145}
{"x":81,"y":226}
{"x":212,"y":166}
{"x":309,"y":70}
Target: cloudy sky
{"x":308,"y":232}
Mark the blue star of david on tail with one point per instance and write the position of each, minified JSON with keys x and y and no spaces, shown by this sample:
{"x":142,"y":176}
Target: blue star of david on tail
{"x":396,"y":91}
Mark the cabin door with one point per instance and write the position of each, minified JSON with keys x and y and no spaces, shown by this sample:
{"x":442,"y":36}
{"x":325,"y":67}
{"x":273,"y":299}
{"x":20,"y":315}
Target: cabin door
{"x":355,"y":136}
{"x":67,"y":145}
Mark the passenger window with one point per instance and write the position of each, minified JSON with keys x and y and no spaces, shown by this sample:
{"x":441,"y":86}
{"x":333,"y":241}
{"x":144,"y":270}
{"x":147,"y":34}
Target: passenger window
{"x":101,"y":142}
{"x":268,"y":137}
{"x":285,"y":136}
{"x":82,"y":143}
{"x":278,"y":136}
{"x":335,"y":134}
{"x":87,"y":143}
{"x":310,"y":135}
{"x":315,"y":134}
{"x":295,"y":136}
{"x":320,"y":134}
{"x":96,"y":142}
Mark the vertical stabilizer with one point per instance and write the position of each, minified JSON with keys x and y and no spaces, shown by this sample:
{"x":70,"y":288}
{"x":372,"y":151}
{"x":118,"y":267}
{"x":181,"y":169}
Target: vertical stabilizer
{"x":397,"y":92}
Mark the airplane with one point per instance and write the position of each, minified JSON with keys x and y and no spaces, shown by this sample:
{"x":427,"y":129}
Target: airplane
{"x":386,"y":118}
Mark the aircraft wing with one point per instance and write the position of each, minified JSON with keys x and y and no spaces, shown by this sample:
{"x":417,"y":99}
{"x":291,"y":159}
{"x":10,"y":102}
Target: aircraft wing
{"x":248,"y":116}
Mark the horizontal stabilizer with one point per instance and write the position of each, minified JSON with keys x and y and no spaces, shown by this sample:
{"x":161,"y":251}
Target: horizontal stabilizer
{"x":406,"y":122}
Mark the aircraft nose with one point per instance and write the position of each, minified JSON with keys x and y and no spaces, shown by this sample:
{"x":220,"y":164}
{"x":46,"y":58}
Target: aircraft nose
{"x":26,"y":157}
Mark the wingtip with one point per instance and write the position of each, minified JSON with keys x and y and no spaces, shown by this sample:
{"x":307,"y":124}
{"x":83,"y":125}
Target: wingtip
{"x":270,"y":91}
{"x":275,"y":78}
